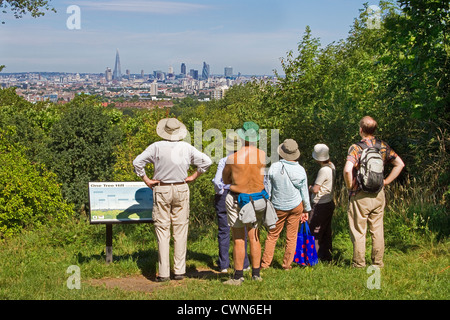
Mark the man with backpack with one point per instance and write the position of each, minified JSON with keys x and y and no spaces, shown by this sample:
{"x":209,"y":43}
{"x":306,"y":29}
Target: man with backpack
{"x":364,"y":178}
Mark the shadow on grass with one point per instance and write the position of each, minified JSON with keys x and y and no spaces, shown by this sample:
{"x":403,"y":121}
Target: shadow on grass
{"x":147,"y":261}
{"x":340,"y":257}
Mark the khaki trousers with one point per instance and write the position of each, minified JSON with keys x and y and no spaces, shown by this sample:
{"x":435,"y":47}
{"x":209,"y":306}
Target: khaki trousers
{"x":366,"y":209}
{"x":292,"y":220}
{"x":171,"y":208}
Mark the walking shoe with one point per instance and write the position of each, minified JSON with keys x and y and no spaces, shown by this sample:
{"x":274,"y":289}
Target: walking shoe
{"x":224,"y":270}
{"x":257,"y":278}
{"x":234,"y":282}
{"x":179,"y":276}
{"x":162,"y":279}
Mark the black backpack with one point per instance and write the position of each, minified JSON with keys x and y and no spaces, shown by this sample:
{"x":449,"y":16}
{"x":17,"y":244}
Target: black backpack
{"x":371,"y":166}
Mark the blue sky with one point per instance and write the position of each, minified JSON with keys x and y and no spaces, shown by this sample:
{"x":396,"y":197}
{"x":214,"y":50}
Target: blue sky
{"x":249,"y":35}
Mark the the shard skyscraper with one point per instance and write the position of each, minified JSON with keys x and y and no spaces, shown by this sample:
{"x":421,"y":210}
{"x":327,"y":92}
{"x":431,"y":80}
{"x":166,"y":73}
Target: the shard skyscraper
{"x":117,"y":74}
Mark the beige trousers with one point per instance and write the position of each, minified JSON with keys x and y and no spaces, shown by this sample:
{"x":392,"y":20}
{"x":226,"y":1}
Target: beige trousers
{"x":171,"y":209}
{"x":364,"y":210}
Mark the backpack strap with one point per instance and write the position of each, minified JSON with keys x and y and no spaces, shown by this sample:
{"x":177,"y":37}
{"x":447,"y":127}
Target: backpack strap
{"x":283,"y":170}
{"x":253,"y":202}
{"x":378,"y":144}
{"x":364,"y":145}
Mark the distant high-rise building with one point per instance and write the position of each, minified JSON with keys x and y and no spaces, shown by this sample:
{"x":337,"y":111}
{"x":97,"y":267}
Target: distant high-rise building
{"x":183,"y":68}
{"x":142,"y":74}
{"x":117,"y":74}
{"x":170,"y":74}
{"x":219,"y":92}
{"x":108,"y":74}
{"x":194,"y":74}
{"x":159,"y":75}
{"x":228,"y":72}
{"x":205,"y":71}
{"x":154,"y":89}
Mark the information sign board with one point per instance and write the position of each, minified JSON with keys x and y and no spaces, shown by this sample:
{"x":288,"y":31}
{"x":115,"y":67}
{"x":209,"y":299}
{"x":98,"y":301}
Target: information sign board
{"x":120,"y":202}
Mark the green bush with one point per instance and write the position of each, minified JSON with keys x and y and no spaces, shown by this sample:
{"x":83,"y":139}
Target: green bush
{"x":29,"y":194}
{"x":202,"y":198}
{"x":30,"y":122}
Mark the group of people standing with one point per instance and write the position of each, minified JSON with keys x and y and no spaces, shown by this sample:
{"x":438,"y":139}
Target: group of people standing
{"x":248,"y":196}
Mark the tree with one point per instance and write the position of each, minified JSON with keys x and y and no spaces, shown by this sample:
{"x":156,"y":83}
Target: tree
{"x":19,"y":8}
{"x":139,"y":131}
{"x":419,"y":84}
{"x":328,"y":89}
{"x":419,"y":36}
{"x":31,"y":122}
{"x":81,"y":148}
{"x":29,"y":194}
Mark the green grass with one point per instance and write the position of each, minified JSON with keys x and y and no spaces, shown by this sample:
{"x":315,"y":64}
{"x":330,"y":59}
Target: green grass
{"x":33,"y":266}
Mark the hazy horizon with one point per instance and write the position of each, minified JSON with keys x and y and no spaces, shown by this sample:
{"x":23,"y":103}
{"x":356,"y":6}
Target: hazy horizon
{"x":250,"y":36}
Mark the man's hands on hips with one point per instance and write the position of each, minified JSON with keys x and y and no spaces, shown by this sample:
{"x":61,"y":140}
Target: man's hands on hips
{"x":192,"y":177}
{"x":149,"y":182}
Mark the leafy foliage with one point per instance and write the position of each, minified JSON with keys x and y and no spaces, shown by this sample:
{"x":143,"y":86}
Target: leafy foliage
{"x":30,"y":194}
{"x":81,"y":148}
{"x":32,"y":122}
{"x":138,"y":132}
{"x":419,"y":85}
{"x":419,"y":41}
{"x":19,"y":8}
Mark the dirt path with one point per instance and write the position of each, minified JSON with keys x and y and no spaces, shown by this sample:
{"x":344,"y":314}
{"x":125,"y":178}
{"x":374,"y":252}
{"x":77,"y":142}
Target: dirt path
{"x":148,"y":284}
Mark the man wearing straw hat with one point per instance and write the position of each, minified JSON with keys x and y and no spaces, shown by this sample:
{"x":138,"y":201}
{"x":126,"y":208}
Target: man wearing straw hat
{"x":171,"y":159}
{"x":232,"y":144}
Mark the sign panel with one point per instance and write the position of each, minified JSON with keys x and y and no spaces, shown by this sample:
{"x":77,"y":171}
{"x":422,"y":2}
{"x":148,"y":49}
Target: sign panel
{"x":116,"y":202}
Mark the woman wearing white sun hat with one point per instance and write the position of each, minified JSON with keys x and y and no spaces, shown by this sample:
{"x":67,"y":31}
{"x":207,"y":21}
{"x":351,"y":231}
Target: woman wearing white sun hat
{"x":323,"y":203}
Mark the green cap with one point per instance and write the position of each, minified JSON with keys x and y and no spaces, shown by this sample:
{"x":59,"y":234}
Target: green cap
{"x":249,"y":131}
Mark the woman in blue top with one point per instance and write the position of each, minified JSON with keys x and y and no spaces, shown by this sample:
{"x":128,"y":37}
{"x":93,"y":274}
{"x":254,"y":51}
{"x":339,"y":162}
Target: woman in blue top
{"x":287,"y":186}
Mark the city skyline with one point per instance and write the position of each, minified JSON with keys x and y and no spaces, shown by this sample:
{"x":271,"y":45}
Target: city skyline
{"x":250,"y":36}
